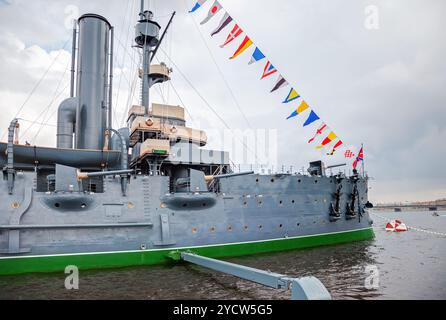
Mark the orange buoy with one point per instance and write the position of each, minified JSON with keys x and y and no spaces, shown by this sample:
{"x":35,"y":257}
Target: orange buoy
{"x":396,"y":226}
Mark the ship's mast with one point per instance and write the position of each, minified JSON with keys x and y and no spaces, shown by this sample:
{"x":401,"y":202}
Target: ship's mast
{"x":147,"y":32}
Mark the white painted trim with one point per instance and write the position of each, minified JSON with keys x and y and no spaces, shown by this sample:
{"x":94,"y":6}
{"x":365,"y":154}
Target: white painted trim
{"x":178,"y":248}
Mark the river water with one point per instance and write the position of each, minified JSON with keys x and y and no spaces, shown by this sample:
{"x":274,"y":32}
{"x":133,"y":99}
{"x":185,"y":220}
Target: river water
{"x":409,"y":265}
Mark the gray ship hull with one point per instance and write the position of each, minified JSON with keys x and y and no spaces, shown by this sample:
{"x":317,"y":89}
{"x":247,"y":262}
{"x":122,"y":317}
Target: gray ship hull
{"x":247,"y":209}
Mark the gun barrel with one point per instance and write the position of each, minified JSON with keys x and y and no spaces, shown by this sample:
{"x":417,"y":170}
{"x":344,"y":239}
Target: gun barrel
{"x":86,"y":175}
{"x":337,"y":166}
{"x":229,"y":175}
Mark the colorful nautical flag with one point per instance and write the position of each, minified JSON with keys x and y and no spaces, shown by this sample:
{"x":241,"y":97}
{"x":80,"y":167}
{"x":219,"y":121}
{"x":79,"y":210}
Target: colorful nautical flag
{"x":303,"y":106}
{"x":197,"y":5}
{"x":330,"y":138}
{"x":359,"y":158}
{"x":225,"y":21}
{"x":235,"y":32}
{"x":293,"y":95}
{"x":313,"y":117}
{"x":281,"y":82}
{"x":349,"y":154}
{"x":245,"y":45}
{"x":337,"y":145}
{"x":215,"y":8}
{"x":256,"y":56}
{"x":318,"y":132}
{"x":269,"y":70}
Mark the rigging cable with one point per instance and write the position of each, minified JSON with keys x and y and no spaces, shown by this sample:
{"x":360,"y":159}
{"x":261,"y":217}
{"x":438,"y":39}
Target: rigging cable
{"x":182,"y":103}
{"x":170,"y":84}
{"x":55,"y":97}
{"x":121,"y":65}
{"x":221,"y":74}
{"x":39,"y":82}
{"x":131,"y":96}
{"x":208,"y":105}
{"x":44,"y":113}
{"x":39,"y":123}
{"x":52,"y":114}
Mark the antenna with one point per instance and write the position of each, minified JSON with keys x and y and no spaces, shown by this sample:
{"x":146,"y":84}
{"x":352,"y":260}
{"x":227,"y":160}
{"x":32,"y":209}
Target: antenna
{"x":141,"y":12}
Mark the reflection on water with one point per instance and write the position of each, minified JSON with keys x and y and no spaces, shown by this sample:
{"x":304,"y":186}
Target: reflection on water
{"x":411,"y":265}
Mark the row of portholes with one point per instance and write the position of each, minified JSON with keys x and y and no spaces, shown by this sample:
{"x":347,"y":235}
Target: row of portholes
{"x":245,"y":203}
{"x":245,"y":228}
{"x":299,"y":181}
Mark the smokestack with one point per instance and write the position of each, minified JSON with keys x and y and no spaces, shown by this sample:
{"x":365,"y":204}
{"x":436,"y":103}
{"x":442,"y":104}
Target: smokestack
{"x":92,"y":81}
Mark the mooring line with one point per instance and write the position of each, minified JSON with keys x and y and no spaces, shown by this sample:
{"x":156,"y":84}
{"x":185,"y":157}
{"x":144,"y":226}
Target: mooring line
{"x":412,"y":228}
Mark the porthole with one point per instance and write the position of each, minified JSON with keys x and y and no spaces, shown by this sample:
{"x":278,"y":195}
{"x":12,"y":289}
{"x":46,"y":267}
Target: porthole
{"x":272,"y":180}
{"x":83,"y":205}
{"x":57,"y":205}
{"x":280,"y":225}
{"x":315,"y":181}
{"x":299,"y":181}
{"x":298,"y":224}
{"x":280,"y":202}
{"x":293,"y":201}
{"x":184,"y":205}
{"x":230,"y":228}
{"x":260,"y":227}
{"x":204,"y":204}
{"x":245,"y":228}
{"x":257,"y":180}
{"x":213,"y":229}
{"x":194,"y":230}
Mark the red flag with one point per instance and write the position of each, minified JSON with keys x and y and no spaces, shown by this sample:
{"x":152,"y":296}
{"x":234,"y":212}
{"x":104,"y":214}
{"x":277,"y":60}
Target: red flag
{"x":236,"y":31}
{"x":337,"y":145}
{"x":359,"y":158}
{"x":318,"y":132}
{"x":269,"y":70}
{"x":349,"y":154}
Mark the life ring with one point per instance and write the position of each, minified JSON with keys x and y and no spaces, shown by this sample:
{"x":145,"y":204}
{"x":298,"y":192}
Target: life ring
{"x":149,"y":122}
{"x":173,"y":129}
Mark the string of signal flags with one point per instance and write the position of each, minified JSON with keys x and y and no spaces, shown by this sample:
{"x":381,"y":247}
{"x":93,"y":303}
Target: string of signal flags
{"x":325,"y":137}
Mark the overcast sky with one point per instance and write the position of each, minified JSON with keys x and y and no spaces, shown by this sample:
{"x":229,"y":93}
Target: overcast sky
{"x":382,"y":87}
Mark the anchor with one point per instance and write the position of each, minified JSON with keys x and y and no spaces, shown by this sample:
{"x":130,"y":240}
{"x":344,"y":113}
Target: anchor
{"x":351,"y":214}
{"x":335,"y":209}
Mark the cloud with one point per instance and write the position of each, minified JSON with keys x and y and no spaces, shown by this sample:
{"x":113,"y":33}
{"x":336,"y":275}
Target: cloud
{"x":383,"y":88}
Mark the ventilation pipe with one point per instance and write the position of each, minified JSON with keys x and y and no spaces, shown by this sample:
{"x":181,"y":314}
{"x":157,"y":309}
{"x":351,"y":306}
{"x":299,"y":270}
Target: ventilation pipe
{"x":66,"y":123}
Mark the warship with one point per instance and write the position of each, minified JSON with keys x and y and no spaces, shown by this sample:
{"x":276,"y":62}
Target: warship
{"x":146,"y":193}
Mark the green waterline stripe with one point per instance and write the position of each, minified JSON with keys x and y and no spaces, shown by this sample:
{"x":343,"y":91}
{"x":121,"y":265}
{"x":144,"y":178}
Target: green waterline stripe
{"x":103,"y":260}
{"x":180,"y":248}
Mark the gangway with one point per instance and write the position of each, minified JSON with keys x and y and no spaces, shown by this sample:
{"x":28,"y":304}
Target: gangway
{"x":306,"y":288}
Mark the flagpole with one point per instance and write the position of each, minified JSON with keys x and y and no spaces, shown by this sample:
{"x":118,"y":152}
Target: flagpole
{"x":363,"y":159}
